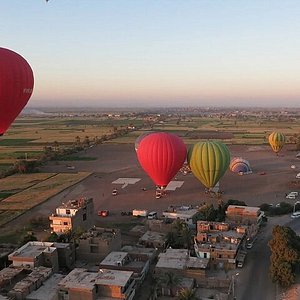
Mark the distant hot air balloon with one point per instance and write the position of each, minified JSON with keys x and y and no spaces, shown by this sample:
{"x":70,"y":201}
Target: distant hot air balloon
{"x":240,"y":165}
{"x":276,"y":141}
{"x":161,"y":155}
{"x":209,"y":161}
{"x":16,"y":85}
{"x":139,"y":139}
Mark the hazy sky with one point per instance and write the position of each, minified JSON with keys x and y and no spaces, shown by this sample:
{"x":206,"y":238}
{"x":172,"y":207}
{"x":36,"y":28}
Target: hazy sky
{"x":157,"y":52}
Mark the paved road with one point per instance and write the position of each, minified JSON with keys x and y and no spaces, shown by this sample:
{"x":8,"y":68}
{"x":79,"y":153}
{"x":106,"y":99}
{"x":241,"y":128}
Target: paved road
{"x":253,"y":281}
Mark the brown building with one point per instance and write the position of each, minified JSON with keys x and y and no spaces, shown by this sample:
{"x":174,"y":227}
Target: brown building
{"x":72,"y":215}
{"x":52,"y":255}
{"x":218,"y":243}
{"x":30,"y":283}
{"x":96,"y":243}
{"x":244,"y":214}
{"x":106,"y":284}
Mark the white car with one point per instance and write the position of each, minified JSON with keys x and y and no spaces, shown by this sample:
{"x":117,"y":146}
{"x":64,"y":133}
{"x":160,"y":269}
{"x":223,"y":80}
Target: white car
{"x":294,"y":193}
{"x":289,"y":196}
{"x":298,"y":176}
{"x":296,"y":214}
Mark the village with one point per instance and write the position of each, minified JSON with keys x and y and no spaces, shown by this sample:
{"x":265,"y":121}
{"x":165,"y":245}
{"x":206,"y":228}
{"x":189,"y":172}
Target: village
{"x":98,"y":265}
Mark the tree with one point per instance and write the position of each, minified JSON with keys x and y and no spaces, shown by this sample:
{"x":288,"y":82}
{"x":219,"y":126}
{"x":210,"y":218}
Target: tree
{"x":28,"y":238}
{"x":285,"y":248}
{"x":169,"y":280}
{"x":186,"y":294}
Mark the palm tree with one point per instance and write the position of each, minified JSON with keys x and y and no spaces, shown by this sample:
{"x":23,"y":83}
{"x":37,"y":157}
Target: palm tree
{"x":169,"y":280}
{"x":186,"y":294}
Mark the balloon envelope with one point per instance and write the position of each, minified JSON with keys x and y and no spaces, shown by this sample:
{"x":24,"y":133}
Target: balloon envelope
{"x":16,"y":85}
{"x":161,"y":155}
{"x":209,"y":161}
{"x":139,"y":139}
{"x":276,"y":141}
{"x":238,"y":165}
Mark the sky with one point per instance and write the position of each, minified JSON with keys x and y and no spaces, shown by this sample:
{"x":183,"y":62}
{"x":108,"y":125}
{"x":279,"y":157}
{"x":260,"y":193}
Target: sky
{"x":157,"y":52}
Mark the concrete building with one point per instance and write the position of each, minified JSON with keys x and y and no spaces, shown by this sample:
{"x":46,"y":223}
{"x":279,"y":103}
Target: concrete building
{"x":153,"y":239}
{"x":72,"y":215}
{"x":137,"y":263}
{"x":179,"y":261}
{"x":96,"y":243}
{"x":5,"y":250}
{"x":185,"y":213}
{"x":10,"y":276}
{"x":48,"y":290}
{"x":106,"y":284}
{"x":244,"y":214}
{"x":47,"y":254}
{"x":217,"y":242}
{"x":30,"y":283}
{"x":151,"y":253}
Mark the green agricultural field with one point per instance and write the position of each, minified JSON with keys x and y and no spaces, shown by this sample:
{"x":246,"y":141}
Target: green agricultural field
{"x":41,"y":191}
{"x":22,"y":181}
{"x":28,"y":136}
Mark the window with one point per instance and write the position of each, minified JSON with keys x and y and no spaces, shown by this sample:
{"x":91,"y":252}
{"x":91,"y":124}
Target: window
{"x":84,"y":217}
{"x":65,"y":223}
{"x":68,"y":212}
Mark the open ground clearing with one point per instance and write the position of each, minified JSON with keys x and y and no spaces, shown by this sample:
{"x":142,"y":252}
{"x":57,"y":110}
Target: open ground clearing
{"x":270,"y":181}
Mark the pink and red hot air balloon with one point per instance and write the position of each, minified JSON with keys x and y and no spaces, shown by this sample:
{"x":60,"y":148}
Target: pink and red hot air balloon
{"x":161,"y":155}
{"x":16,"y":86}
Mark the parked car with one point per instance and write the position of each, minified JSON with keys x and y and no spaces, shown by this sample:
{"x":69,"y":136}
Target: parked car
{"x":249,"y":245}
{"x":289,"y":196}
{"x":152,"y":215}
{"x":103,"y":213}
{"x":298,"y":176}
{"x":115,"y":192}
{"x":296,"y":214}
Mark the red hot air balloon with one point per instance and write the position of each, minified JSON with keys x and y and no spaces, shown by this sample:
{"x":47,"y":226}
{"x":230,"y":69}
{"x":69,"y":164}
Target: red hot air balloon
{"x":16,"y":85}
{"x":161,"y":155}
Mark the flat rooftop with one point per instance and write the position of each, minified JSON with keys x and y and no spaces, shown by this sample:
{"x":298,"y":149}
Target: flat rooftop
{"x":226,"y":235}
{"x":48,"y":290}
{"x":218,"y":246}
{"x":153,"y":236}
{"x":101,"y":233}
{"x":182,"y":211}
{"x":81,"y":278}
{"x":75,"y":204}
{"x":33,"y":249}
{"x":114,"y":258}
{"x":244,"y":209}
{"x":180,"y":259}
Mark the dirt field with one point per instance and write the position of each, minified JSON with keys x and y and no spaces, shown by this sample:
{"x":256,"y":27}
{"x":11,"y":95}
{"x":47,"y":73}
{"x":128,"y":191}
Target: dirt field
{"x":115,"y":161}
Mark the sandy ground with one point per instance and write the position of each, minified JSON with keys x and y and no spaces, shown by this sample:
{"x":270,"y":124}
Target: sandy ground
{"x":115,"y":161}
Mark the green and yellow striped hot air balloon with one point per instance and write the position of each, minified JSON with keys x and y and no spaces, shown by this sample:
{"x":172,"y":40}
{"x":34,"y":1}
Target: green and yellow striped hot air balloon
{"x":276,"y":141}
{"x":209,"y":161}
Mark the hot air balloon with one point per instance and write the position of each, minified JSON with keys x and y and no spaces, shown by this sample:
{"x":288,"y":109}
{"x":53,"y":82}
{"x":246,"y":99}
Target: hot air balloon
{"x":276,"y":141}
{"x":16,"y":85}
{"x":161,"y":155}
{"x":209,"y":161}
{"x":240,"y":165}
{"x":139,"y":139}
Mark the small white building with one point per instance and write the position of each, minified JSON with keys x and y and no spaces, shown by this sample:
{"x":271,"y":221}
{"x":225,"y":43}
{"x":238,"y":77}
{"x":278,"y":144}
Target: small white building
{"x":185,"y":213}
